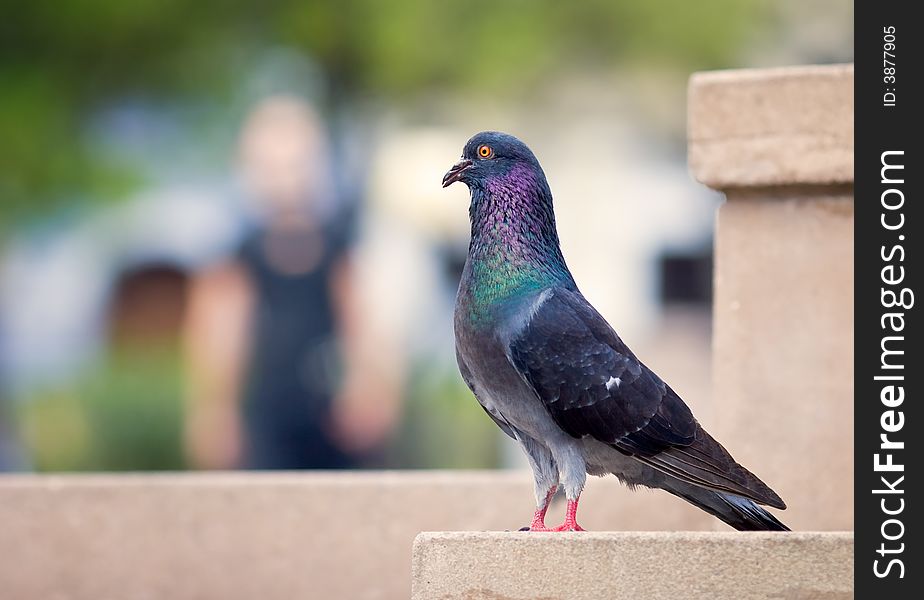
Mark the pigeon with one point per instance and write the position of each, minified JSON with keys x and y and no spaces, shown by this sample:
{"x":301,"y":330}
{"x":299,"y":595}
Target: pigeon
{"x":552,"y":373}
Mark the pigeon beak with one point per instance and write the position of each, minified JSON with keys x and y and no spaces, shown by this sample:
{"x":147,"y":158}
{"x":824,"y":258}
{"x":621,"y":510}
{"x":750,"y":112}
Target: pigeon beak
{"x":455,"y":173}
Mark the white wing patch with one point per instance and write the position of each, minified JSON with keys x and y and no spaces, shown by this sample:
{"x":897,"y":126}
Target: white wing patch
{"x":538,"y":304}
{"x":613,"y":382}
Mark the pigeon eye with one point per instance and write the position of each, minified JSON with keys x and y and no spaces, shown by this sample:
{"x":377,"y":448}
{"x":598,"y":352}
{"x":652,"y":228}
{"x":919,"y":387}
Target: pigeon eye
{"x":485,"y":151}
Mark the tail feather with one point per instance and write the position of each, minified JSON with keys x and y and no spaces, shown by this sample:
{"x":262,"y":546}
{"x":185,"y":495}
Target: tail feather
{"x":741,"y":513}
{"x":707,"y":463}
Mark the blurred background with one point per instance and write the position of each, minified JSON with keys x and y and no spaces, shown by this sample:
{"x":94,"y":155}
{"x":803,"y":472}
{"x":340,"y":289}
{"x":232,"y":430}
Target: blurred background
{"x":223,"y":241}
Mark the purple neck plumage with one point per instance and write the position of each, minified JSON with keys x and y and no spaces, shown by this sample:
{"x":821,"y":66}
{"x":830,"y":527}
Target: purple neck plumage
{"x":514,"y":242}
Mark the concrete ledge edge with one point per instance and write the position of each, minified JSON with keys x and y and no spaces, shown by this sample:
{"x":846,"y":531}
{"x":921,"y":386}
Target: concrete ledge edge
{"x":658,"y":536}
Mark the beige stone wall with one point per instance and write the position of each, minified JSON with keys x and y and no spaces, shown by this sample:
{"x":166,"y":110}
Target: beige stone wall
{"x":633,"y":566}
{"x":267,"y":536}
{"x":779,"y":143}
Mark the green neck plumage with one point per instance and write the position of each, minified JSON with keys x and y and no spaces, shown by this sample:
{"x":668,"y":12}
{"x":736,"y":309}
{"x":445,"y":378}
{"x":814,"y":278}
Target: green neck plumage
{"x":514,"y":249}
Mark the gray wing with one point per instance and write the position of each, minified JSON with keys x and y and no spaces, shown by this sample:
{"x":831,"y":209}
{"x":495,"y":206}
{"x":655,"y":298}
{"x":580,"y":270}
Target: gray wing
{"x":593,"y":385}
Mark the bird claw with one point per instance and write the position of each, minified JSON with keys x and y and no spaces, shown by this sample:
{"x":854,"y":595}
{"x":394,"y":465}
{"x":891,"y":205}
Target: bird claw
{"x":536,"y":526}
{"x":566,"y":526}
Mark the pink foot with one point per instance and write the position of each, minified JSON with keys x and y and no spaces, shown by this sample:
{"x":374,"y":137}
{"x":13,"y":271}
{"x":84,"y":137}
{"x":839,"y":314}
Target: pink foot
{"x":538,"y":522}
{"x":570,"y":523}
{"x":537,"y":526}
{"x":566,"y":526}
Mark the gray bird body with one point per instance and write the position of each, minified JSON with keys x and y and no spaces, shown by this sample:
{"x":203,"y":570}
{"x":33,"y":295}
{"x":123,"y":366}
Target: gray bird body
{"x":482,"y":353}
{"x":553,"y":374}
{"x":482,"y":356}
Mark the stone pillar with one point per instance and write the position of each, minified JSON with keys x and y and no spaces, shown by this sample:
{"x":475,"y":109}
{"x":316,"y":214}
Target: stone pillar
{"x":779,"y":144}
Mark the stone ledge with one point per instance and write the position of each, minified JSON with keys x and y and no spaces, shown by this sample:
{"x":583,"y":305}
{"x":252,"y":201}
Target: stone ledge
{"x":269,"y":535}
{"x":631,"y":565}
{"x":771,"y":127}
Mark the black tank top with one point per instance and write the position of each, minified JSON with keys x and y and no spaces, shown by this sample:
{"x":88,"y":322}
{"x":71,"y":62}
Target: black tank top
{"x":295,"y":364}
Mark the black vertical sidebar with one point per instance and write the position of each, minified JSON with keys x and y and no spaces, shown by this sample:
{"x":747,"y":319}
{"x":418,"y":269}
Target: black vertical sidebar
{"x":888,"y":266}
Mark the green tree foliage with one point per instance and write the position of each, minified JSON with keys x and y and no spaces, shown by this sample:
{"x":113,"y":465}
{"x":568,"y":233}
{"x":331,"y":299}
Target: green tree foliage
{"x":62,"y":60}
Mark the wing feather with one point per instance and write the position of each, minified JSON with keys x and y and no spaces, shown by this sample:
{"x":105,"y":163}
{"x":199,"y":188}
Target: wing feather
{"x":593,"y":385}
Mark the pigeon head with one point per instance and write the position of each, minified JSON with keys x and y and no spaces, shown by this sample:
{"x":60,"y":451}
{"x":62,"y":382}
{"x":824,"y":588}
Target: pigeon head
{"x":492,"y":156}
{"x":514,"y":245}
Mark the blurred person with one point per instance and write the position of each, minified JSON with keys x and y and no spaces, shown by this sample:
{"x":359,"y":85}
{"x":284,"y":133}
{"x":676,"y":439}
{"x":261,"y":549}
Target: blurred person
{"x":285,"y":370}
